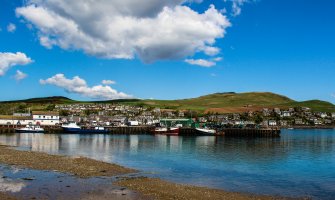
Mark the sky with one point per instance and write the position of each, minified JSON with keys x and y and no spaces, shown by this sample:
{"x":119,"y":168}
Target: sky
{"x":166,"y":49}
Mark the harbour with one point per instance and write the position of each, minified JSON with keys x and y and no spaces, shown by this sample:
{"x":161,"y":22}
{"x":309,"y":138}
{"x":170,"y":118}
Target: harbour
{"x":261,"y":165}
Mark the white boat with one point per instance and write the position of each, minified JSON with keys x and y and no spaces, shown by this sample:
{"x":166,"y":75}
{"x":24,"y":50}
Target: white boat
{"x":30,"y":129}
{"x":71,"y":127}
{"x":205,"y":131}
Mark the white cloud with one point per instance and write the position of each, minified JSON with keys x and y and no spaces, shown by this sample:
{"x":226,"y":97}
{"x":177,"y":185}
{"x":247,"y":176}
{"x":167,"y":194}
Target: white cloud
{"x":20,"y":75}
{"x":236,"y":8}
{"x":200,"y":62}
{"x":78,"y":85}
{"x":150,"y":29}
{"x":211,"y":51}
{"x":11,"y":28}
{"x":333,"y":95}
{"x":108,"y":82}
{"x":213,"y":75}
{"x":8,"y":60}
{"x":217,"y":59}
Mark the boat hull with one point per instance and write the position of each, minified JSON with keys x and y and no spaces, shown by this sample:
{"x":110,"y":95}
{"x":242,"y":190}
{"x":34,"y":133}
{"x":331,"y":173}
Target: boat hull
{"x":28,"y":131}
{"x":167,"y":131}
{"x":71,"y":130}
{"x":83,"y":131}
{"x":206,"y":132}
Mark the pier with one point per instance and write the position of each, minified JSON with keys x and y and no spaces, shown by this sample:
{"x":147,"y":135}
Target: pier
{"x":236,"y":132}
{"x":129,"y":130}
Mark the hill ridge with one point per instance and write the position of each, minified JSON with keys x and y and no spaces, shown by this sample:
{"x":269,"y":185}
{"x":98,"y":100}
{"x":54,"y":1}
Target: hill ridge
{"x":221,"y":102}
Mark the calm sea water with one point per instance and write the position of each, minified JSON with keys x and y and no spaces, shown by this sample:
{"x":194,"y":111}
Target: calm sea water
{"x":300,"y":163}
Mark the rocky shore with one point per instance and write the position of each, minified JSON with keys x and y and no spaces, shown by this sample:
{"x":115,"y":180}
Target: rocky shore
{"x":78,"y":166}
{"x":142,"y":187}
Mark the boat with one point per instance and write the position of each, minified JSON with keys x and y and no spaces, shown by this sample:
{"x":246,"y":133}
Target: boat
{"x":205,"y":131}
{"x":166,"y":130}
{"x":72,"y":127}
{"x":97,"y":129}
{"x":30,"y":129}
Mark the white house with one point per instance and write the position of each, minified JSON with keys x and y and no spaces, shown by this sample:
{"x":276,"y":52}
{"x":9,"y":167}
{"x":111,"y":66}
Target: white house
{"x":272,"y":123}
{"x":286,"y":114}
{"x":323,"y":115}
{"x":45,"y":118}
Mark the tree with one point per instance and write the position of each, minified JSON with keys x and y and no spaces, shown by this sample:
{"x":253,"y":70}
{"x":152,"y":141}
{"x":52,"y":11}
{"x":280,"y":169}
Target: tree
{"x":258,"y":119}
{"x":64,"y":113}
{"x":50,"y":107}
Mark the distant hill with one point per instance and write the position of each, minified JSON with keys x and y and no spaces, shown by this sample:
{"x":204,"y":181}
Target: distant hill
{"x":219,"y":102}
{"x":43,"y":100}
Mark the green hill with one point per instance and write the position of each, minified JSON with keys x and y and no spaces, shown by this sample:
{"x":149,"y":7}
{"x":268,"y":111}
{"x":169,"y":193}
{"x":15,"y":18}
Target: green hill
{"x":43,"y":100}
{"x":219,"y":102}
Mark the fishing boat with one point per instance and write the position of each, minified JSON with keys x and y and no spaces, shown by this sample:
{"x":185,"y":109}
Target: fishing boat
{"x":205,"y":131}
{"x":166,"y":130}
{"x":30,"y":129}
{"x":91,"y":130}
{"x":72,"y":127}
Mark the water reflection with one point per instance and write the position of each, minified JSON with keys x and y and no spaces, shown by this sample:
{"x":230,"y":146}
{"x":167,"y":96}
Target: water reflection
{"x":299,"y":159}
{"x":9,"y":185}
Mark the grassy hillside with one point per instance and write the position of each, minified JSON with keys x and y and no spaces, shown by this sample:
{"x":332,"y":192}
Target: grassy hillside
{"x":315,"y":105}
{"x":218,"y":102}
{"x":236,"y":102}
{"x":43,"y":100}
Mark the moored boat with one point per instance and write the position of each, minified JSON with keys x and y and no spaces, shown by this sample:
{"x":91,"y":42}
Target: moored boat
{"x":72,"y":127}
{"x":30,"y":129}
{"x":166,"y":130}
{"x":205,"y":131}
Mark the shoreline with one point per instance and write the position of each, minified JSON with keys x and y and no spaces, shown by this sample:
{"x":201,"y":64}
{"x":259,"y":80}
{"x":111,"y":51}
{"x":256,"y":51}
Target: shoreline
{"x":150,"y":188}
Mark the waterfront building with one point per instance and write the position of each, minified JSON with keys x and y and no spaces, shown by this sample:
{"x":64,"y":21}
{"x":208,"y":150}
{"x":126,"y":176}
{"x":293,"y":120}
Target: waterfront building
{"x":15,"y":120}
{"x":272,"y":123}
{"x":45,"y":118}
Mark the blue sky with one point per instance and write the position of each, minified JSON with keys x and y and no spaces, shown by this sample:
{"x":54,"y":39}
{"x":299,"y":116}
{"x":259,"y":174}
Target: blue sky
{"x":285,"y":47}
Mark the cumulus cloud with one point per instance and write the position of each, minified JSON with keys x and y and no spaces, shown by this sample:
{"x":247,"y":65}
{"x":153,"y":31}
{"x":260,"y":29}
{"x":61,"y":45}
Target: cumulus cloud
{"x":78,"y":85}
{"x":8,"y":60}
{"x":200,"y":62}
{"x":108,"y":82}
{"x":20,"y":75}
{"x":11,"y":28}
{"x":150,"y":29}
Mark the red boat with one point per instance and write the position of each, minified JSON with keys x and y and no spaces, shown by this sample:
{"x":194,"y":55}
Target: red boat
{"x":166,"y":131}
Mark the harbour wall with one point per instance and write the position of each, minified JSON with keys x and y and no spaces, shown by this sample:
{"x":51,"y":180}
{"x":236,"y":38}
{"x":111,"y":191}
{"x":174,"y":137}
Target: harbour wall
{"x":228,"y":132}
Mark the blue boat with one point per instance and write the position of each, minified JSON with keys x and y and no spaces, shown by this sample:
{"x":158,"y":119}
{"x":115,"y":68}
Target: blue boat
{"x":72,"y":127}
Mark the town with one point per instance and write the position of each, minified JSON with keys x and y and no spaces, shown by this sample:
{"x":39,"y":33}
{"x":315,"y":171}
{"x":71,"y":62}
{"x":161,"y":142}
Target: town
{"x":116,"y":115}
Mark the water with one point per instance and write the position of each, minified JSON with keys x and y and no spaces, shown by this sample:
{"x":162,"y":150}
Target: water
{"x":36,"y":184}
{"x":300,"y":163}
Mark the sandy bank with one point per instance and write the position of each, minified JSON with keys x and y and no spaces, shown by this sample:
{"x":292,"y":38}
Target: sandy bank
{"x":159,"y":189}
